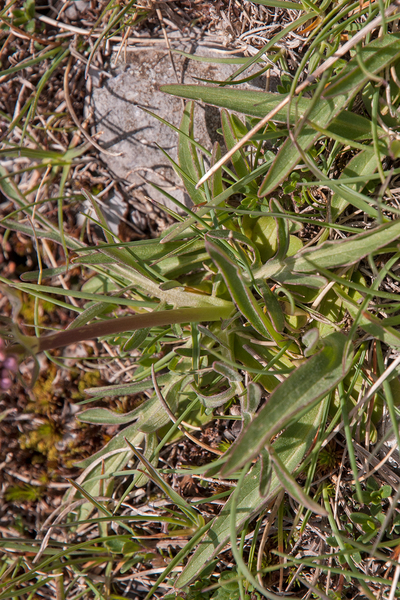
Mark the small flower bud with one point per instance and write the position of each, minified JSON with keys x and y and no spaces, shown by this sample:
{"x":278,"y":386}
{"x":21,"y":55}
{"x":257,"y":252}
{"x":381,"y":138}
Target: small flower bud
{"x":5,"y":382}
{"x":8,"y":366}
{"x":10,"y":363}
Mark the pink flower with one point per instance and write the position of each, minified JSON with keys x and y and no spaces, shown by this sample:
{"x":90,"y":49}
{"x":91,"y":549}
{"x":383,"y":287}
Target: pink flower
{"x":8,"y":366}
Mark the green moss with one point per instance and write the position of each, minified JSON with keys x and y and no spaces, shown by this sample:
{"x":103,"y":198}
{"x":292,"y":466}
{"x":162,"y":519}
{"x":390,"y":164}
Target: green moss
{"x":43,"y":392}
{"x":87,"y":379}
{"x":43,"y":440}
{"x":23,"y":493}
{"x":28,"y":309}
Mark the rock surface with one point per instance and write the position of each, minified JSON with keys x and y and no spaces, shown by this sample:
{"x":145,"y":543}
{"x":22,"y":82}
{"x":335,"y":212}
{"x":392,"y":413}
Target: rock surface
{"x":127,"y":129}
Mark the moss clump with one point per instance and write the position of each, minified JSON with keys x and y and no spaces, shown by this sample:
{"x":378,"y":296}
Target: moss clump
{"x":43,"y":392}
{"x":27,"y":312}
{"x":87,"y":379}
{"x":23,"y":493}
{"x":43,"y":440}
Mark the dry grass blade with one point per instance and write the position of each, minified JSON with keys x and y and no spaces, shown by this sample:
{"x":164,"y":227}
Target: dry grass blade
{"x":18,"y":32}
{"x":302,"y":86}
{"x":173,"y":419}
{"x":75,"y":118}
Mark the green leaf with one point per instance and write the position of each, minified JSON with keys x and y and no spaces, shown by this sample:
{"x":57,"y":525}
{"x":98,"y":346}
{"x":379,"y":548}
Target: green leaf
{"x":266,"y":473}
{"x":310,"y":382}
{"x":29,"y":6}
{"x":125,"y":389}
{"x":151,"y":443}
{"x":230,"y":137}
{"x":229,"y":372}
{"x":188,"y":159}
{"x":335,"y":254}
{"x":360,"y":518}
{"x":282,"y":230}
{"x":375,"y":56}
{"x":216,"y":400}
{"x":395,"y":149}
{"x":310,"y":339}
{"x":258,"y":104}
{"x":104,"y":416}
{"x":137,"y":338}
{"x":250,"y":402}
{"x":300,"y":279}
{"x":364,"y":163}
{"x":236,"y":60}
{"x":291,"y":447}
{"x":240,"y":293}
{"x":292,"y":487}
{"x":281,"y":4}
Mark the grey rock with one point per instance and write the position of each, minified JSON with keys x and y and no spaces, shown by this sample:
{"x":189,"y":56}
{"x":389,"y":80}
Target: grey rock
{"x":137,"y":136}
{"x":114,"y":209}
{"x":75,"y":7}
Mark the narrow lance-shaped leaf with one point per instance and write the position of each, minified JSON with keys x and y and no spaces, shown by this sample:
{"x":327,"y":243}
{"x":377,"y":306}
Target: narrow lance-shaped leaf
{"x":229,"y":372}
{"x":335,"y":254}
{"x":249,"y":402}
{"x":291,"y":447}
{"x":308,"y":280}
{"x":294,"y":490}
{"x":125,"y":389}
{"x":266,"y":473}
{"x":282,"y":228}
{"x":309,"y":383}
{"x":151,"y":443}
{"x":376,"y":56}
{"x":149,"y":411}
{"x":240,"y":293}
{"x":188,"y":159}
{"x":258,"y":104}
{"x":217,"y":400}
{"x":280,"y":4}
{"x":230,"y":138}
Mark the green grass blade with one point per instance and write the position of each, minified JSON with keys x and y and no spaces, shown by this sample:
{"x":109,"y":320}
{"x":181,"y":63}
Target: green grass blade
{"x":194,"y":516}
{"x":280,"y":4}
{"x":291,"y":447}
{"x":304,"y":387}
{"x":187,"y":155}
{"x":240,"y":293}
